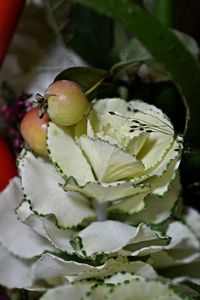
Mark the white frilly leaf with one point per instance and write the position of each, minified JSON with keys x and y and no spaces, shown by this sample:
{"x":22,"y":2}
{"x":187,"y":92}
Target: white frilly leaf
{"x":108,"y":161}
{"x":66,"y":154}
{"x":69,"y":209}
{"x":158,"y":209}
{"x":183,"y":249}
{"x":109,"y":237}
{"x":15,"y":236}
{"x":49,"y":266}
{"x":15,"y":273}
{"x":26,"y":215}
{"x":104,"y":192}
{"x":60,"y":238}
{"x":192,"y":218}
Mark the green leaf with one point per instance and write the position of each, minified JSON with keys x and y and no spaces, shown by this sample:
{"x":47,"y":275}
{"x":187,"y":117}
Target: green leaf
{"x":134,"y":55}
{"x":60,"y":14}
{"x":91,"y":29}
{"x":88,"y":78}
{"x":164,"y":11}
{"x":165,"y":47}
{"x":73,"y":23}
{"x":95,"y":83}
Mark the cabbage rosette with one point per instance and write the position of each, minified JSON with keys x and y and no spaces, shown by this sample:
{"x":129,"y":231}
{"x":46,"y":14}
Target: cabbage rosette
{"x":100,"y":218}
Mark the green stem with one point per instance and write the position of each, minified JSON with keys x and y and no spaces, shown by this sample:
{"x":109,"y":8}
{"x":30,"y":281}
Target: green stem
{"x":163,"y":11}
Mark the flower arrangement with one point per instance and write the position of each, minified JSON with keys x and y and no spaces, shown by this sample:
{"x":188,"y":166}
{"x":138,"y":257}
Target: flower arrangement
{"x":96,"y":211}
{"x":99,"y":209}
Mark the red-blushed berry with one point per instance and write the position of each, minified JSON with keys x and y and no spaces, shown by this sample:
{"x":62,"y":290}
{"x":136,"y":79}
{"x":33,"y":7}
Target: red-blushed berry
{"x":66,"y":102}
{"x":34,"y":130}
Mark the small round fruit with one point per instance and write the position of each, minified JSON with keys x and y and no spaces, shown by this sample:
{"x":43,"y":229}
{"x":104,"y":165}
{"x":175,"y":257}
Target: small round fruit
{"x":34,"y":131}
{"x":7,"y":165}
{"x":67,"y":104}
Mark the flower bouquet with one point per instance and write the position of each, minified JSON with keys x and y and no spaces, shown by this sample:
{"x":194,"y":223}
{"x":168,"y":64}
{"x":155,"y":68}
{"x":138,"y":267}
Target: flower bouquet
{"x":96,"y":211}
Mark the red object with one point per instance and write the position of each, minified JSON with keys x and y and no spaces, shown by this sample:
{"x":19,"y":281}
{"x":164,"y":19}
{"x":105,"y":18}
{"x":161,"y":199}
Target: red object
{"x":10,"y":11}
{"x":7,"y":165}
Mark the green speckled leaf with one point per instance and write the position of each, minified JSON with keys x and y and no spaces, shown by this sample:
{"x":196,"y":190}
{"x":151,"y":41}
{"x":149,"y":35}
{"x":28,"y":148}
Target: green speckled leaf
{"x":135,"y":288}
{"x":118,"y":270}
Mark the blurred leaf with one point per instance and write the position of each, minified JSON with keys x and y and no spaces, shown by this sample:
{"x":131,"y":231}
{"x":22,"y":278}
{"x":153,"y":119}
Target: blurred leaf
{"x":190,"y":168}
{"x":7,"y":93}
{"x":188,"y":42}
{"x":93,"y":40}
{"x":149,"y":5}
{"x":135,"y":54}
{"x":60,"y":17}
{"x":88,"y":78}
{"x":135,"y":51}
{"x":121,"y":38}
{"x":163,"y":10}
{"x":166,"y":48}
{"x":85,"y":29}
